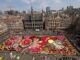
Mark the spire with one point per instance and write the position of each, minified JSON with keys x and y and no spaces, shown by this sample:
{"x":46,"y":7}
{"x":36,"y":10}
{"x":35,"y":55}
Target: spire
{"x":58,"y":13}
{"x":58,"y":16}
{"x":31,"y":9}
{"x":42,"y":11}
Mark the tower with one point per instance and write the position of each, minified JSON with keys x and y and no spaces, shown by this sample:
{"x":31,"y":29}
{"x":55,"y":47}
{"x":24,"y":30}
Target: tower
{"x":47,"y":9}
{"x":31,"y":11}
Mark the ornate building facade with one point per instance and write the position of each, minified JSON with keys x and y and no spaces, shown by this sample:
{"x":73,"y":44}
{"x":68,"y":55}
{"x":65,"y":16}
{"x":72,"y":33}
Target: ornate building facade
{"x":49,"y":20}
{"x":14,"y":23}
{"x":4,"y":33}
{"x":33,"y":21}
{"x":57,"y":21}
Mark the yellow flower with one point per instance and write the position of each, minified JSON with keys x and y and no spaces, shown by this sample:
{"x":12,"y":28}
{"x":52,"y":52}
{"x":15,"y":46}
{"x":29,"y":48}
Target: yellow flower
{"x":1,"y":58}
{"x":50,"y":41}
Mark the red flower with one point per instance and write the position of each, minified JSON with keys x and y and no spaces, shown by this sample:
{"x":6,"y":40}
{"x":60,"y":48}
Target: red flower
{"x":41,"y":46}
{"x":53,"y":37}
{"x":26,"y":37}
{"x":42,"y":43}
{"x":12,"y":38}
{"x":25,"y":42}
{"x":60,"y":37}
{"x":8,"y":43}
{"x":44,"y":39}
{"x":18,"y":49}
{"x":15,"y":39}
{"x":32,"y":37}
{"x":35,"y":49}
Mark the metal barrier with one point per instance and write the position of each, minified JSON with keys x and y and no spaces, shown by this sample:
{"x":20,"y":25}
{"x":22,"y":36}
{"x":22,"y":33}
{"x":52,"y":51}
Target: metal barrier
{"x":25,"y":56}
